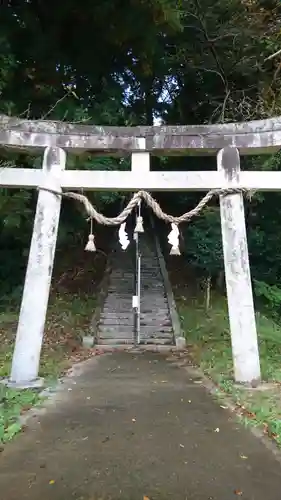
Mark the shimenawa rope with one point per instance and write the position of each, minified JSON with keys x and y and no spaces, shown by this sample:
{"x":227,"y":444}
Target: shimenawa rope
{"x":153,"y":204}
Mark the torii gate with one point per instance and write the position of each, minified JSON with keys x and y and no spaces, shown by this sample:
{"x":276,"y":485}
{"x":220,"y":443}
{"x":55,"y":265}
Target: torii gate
{"x":57,"y":138}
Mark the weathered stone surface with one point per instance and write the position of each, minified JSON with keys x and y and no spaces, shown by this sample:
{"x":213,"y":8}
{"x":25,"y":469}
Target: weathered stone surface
{"x":35,"y":298}
{"x":237,"y":274}
{"x":118,"y":329}
{"x":117,"y":319}
{"x":255,"y":136}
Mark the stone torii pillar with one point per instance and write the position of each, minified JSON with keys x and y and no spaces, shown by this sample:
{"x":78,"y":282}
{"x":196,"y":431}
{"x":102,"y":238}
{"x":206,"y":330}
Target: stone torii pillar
{"x":26,"y":357}
{"x":243,"y":331}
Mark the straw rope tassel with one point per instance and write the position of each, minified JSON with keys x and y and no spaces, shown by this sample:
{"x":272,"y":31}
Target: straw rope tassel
{"x":139,"y":221}
{"x":91,"y":247}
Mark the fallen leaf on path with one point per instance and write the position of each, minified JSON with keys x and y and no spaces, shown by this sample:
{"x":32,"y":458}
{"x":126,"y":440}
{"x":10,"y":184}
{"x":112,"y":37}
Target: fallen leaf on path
{"x":25,"y":408}
{"x":238,"y":492}
{"x":52,"y":481}
{"x":98,"y":352}
{"x":146,"y":498}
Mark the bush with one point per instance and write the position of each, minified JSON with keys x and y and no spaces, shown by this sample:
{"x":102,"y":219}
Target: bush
{"x":268,"y":297}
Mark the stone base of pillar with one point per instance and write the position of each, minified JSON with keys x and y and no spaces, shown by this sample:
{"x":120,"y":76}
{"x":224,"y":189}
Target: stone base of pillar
{"x":37,"y":383}
{"x":180,"y":343}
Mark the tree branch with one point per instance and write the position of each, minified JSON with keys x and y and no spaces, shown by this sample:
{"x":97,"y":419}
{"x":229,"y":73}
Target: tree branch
{"x":273,"y":55}
{"x":210,"y":43}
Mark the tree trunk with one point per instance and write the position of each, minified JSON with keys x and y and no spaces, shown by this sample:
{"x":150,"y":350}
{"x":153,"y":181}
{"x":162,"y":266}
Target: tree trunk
{"x":208,"y":292}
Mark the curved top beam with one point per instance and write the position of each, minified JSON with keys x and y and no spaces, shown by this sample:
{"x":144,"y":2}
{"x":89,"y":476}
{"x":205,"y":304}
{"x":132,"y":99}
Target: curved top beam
{"x":254,"y":137}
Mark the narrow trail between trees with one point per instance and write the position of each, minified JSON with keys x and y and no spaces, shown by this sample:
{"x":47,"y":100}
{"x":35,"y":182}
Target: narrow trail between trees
{"x":133,"y":426}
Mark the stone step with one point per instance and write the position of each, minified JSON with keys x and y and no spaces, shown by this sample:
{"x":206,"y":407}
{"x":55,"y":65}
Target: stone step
{"x":124,"y":329}
{"x":145,"y":339}
{"x":155,"y":280}
{"x":120,"y":309}
{"x":151,"y":306}
{"x":151,"y":313}
{"x":130,"y":322}
{"x":128,"y":287}
{"x":115,"y":341}
{"x":127,"y":290}
{"x":145,"y":273}
{"x":152,"y":301}
{"x":129,"y":325}
{"x":149,"y":341}
{"x":127,"y":301}
{"x":124,"y":313}
{"x":130,"y":340}
{"x":116,"y":324}
{"x":111,"y":315}
{"x":148,"y":297}
{"x":126,"y":295}
{"x":144,"y":279}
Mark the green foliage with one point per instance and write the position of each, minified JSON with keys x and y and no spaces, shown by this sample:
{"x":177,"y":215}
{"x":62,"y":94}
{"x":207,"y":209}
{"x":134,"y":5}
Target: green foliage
{"x":12,"y":403}
{"x":209,"y":344}
{"x":269,"y":297}
{"x":202,"y":243}
{"x":62,"y":338}
{"x":199,"y":62}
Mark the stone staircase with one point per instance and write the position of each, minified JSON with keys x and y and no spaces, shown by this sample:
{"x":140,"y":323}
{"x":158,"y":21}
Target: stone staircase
{"x":116,"y":326}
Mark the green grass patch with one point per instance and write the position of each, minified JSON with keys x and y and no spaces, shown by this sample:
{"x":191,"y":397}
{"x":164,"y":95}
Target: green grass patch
{"x":73,"y":300}
{"x":12,"y":404}
{"x":207,"y":334}
{"x":68,"y":318}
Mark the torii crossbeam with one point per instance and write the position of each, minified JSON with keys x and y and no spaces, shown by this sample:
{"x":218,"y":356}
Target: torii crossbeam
{"x":55,"y":139}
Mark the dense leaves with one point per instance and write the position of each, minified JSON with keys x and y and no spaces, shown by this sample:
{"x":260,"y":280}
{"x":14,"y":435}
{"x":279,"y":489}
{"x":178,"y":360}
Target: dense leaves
{"x":128,"y":62}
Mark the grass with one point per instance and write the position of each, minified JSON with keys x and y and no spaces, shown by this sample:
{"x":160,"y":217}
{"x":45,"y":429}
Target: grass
{"x":208,"y":337}
{"x":72,"y":304}
{"x":62,"y":347}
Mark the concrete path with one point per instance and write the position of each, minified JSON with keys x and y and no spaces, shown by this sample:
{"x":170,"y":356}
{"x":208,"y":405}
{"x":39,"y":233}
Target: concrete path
{"x":134,"y":427}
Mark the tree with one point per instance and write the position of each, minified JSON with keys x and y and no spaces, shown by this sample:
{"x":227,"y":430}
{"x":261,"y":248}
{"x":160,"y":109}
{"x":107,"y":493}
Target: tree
{"x":200,"y":61}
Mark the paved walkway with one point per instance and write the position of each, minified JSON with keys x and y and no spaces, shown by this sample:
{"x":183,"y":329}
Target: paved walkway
{"x":137,"y":426}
